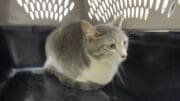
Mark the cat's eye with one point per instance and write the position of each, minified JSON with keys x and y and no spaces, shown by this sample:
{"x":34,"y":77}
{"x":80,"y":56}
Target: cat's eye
{"x":125,"y":42}
{"x":112,"y":46}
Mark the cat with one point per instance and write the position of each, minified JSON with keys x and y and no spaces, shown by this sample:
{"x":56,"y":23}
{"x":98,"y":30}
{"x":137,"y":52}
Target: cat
{"x":84,"y":56}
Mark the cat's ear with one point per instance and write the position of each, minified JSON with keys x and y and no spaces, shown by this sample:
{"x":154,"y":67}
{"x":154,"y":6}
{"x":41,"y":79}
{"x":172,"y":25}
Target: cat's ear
{"x":118,"y":21}
{"x":89,"y":30}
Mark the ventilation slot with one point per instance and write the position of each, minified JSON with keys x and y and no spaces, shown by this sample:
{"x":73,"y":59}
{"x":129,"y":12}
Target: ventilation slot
{"x":105,"y":10}
{"x":47,"y":9}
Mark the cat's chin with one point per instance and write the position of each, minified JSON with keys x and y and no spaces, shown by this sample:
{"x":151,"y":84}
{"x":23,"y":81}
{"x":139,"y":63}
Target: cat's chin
{"x":121,"y":61}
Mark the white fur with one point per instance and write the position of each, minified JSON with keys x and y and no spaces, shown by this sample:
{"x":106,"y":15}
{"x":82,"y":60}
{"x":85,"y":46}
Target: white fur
{"x":99,"y":72}
{"x":52,"y":61}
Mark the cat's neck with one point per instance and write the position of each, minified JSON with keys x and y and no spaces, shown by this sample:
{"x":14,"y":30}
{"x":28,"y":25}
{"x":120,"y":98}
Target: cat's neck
{"x":101,"y":72}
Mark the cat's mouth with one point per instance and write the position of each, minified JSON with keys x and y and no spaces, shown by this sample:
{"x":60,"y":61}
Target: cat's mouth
{"x":125,"y":58}
{"x":122,"y":59}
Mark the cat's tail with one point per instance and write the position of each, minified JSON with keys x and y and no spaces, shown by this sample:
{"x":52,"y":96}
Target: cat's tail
{"x":72,"y":83}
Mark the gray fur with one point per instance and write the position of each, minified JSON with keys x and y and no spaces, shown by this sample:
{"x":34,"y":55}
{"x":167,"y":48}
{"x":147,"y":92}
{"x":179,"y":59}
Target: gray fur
{"x":71,"y":48}
{"x":72,"y":83}
{"x":67,"y":47}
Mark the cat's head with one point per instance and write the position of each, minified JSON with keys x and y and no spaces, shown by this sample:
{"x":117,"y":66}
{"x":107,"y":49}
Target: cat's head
{"x":106,"y":42}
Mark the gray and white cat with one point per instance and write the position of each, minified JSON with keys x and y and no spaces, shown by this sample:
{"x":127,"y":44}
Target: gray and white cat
{"x":84,"y":56}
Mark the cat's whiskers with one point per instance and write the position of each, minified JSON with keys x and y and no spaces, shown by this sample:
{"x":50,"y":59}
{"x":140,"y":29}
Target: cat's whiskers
{"x":120,"y":76}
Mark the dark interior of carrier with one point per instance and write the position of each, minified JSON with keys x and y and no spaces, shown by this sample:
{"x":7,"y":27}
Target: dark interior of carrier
{"x":150,"y":73}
